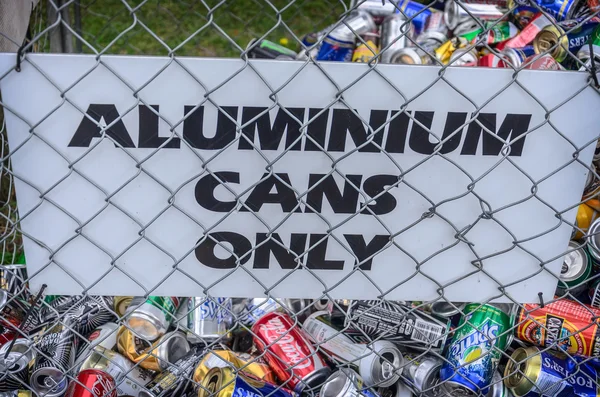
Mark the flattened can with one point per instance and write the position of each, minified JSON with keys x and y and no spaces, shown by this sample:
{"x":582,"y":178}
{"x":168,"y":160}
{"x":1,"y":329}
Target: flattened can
{"x":224,"y":382}
{"x":56,"y":347}
{"x":575,"y":271}
{"x":531,"y":372}
{"x":476,"y":347}
{"x":395,"y":322}
{"x":289,"y":353}
{"x":378,"y":362}
{"x":228,"y":359}
{"x":564,"y":324}
{"x":156,"y":356}
{"x":150,"y":317}
{"x":345,"y":382}
{"x":208,"y":318}
{"x":14,"y":369}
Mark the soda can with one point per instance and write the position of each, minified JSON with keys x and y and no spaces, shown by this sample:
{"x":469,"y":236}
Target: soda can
{"x":120,"y":304}
{"x":514,"y":57}
{"x":266,"y":49}
{"x":395,"y":322}
{"x":448,"y":311}
{"x":224,"y":382}
{"x":498,"y":388}
{"x":14,"y":367}
{"x":378,"y":363}
{"x":88,"y":312}
{"x":345,"y":382}
{"x":564,"y":324}
{"x":170,"y":380}
{"x":561,"y":39}
{"x":208,"y":318}
{"x":298,"y":309}
{"x":228,"y":359}
{"x":255,"y":308}
{"x":129,"y":379}
{"x":104,"y":336}
{"x":421,"y":371}
{"x":394,"y":27}
{"x":416,"y":13}
{"x":56,"y":347}
{"x":338,"y":45}
{"x":482,"y":336}
{"x":365,"y":52}
{"x":531,"y":372}
{"x":492,"y":32}
{"x":543,"y":62}
{"x":435,"y":23}
{"x":156,"y":356}
{"x":289,"y":353}
{"x":584,"y":55}
{"x":561,"y":10}
{"x":92,"y":383}
{"x":576,"y":269}
{"x":455,"y":13}
{"x":150,"y":317}
{"x":464,"y":57}
{"x":527,"y":35}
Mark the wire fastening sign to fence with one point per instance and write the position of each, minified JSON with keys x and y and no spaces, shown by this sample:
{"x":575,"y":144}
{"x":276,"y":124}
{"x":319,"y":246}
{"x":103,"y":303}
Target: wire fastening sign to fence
{"x":355,"y":182}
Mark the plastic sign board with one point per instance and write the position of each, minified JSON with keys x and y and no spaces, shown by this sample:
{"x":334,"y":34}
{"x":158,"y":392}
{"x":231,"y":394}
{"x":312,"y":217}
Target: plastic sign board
{"x":143,"y":175}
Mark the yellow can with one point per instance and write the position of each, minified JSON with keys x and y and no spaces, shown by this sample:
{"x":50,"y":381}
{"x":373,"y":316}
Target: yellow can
{"x":156,"y":356}
{"x":365,"y":52}
{"x":585,"y":216}
{"x":121,"y":303}
{"x":228,"y":359}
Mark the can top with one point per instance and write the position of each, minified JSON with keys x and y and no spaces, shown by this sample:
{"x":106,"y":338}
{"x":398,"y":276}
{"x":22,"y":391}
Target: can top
{"x":406,"y":56}
{"x":551,"y":40}
{"x":145,"y":322}
{"x":576,"y":266}
{"x":340,"y":383}
{"x":446,"y":309}
{"x":522,"y":370}
{"x":380,"y":367}
{"x":19,"y":357}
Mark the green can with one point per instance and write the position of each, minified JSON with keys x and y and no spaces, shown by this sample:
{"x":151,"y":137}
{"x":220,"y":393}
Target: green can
{"x":483,"y":333}
{"x":149,"y":318}
{"x":495,"y":32}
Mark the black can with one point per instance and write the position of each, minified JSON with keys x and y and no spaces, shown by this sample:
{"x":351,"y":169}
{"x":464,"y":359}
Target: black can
{"x":14,"y":367}
{"x":396,"y":322}
{"x":89,"y":312}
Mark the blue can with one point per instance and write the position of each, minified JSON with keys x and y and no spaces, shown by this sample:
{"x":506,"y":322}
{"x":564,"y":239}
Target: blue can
{"x":516,"y":56}
{"x":335,"y":49}
{"x":560,"y":9}
{"x":339,"y":44}
{"x":534,"y":373}
{"x":411,"y":9}
{"x":208,"y":318}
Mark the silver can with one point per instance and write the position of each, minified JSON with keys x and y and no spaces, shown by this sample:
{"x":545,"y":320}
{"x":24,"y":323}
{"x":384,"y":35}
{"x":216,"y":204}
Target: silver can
{"x":575,"y":270}
{"x":378,"y":8}
{"x":105,"y":336}
{"x":395,"y":31}
{"x":593,"y":242}
{"x":208,"y":318}
{"x":398,"y":389}
{"x":422,"y":372}
{"x":170,"y":348}
{"x":14,"y":367}
{"x":464,"y":57}
{"x":150,"y":317}
{"x":255,"y":308}
{"x":435,"y":23}
{"x":424,"y":54}
{"x":456,"y":13}
{"x":345,"y":383}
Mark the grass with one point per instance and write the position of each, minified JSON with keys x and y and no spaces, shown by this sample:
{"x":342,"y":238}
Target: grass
{"x":207,"y":28}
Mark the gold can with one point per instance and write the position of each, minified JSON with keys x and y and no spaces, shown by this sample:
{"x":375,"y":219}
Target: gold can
{"x":153,"y":356}
{"x":228,"y":359}
{"x":121,"y":303}
{"x":223,"y":382}
{"x":364,"y":53}
{"x":585,"y":216}
{"x":549,"y":37}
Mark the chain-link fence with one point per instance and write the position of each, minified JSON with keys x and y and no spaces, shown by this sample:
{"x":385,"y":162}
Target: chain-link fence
{"x":270,"y":345}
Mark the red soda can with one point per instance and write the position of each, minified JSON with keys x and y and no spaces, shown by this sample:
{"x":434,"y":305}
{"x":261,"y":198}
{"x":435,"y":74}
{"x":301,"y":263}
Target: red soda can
{"x":542,"y":62}
{"x":92,"y":383}
{"x":564,"y":325}
{"x":539,"y":22}
{"x":292,"y":357}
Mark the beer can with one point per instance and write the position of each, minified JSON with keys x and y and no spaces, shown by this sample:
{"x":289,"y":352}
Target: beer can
{"x":561,"y":39}
{"x":464,"y":57}
{"x":105,"y":336}
{"x":228,"y":359}
{"x":170,"y":380}
{"x":378,"y":363}
{"x":542,"y":62}
{"x":585,"y":55}
{"x":320,"y":305}
{"x":224,"y":382}
{"x":339,"y":43}
{"x":395,"y":322}
{"x":531,"y":372}
{"x":378,"y":8}
{"x":527,"y":35}
{"x":514,"y":57}
{"x":422,"y":55}
{"x":14,"y":367}
{"x":120,"y":304}
{"x":156,"y":356}
{"x":416,"y":13}
{"x":448,"y":311}
{"x":394,"y":36}
{"x":56,"y":349}
{"x":208,"y":318}
{"x":92,"y":383}
{"x":575,"y":271}
{"x":10,"y":319}
{"x":345,"y":382}
{"x":455,"y":13}
{"x":266,"y":49}
{"x":482,"y":336}
{"x":150,"y":317}
{"x":559,"y":9}
{"x":365,"y":52}
{"x":421,"y":371}
{"x":255,"y":308}
{"x":88,"y":312}
{"x":289,"y":353}
{"x":129,"y":379}
{"x":563,"y":324}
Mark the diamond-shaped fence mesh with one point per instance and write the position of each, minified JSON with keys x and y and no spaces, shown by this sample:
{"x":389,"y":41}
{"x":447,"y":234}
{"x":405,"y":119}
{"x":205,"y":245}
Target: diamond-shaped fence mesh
{"x":101,"y":346}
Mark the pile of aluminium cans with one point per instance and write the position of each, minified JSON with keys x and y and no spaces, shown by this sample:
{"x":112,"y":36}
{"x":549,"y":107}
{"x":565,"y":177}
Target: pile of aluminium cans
{"x":532,"y":34}
{"x":93,"y":346}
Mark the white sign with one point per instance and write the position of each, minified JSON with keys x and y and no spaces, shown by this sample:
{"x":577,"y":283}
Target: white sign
{"x":352,"y":204}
